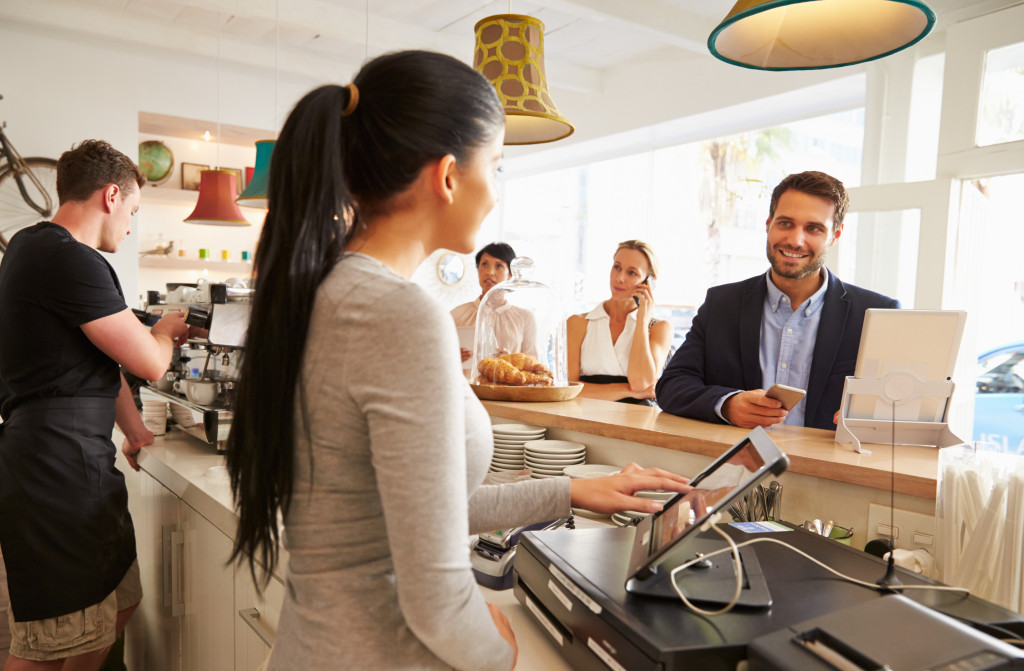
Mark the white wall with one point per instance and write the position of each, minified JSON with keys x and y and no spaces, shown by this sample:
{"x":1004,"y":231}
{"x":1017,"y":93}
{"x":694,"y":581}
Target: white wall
{"x":60,"y":89}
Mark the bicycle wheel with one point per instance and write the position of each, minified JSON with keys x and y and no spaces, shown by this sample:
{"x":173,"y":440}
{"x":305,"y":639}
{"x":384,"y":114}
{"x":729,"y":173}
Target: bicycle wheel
{"x":15,"y":213}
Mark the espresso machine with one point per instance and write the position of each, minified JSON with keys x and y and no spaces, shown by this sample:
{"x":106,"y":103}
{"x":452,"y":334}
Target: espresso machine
{"x":199,"y":384}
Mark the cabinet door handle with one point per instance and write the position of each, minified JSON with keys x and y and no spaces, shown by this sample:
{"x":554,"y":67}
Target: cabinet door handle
{"x":177,"y":560}
{"x":251,"y":616}
{"x":167,"y":564}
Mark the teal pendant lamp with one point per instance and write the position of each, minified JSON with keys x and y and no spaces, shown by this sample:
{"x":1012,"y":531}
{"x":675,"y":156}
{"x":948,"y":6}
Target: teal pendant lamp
{"x":255,"y":194}
{"x":817,"y":34}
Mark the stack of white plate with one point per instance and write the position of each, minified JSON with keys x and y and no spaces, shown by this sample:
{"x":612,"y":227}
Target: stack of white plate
{"x":508,"y":445}
{"x":548,"y":458}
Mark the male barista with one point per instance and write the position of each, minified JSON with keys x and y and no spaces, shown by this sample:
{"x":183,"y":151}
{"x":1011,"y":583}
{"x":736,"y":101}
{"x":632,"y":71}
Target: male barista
{"x":796,"y":325}
{"x":65,"y":532}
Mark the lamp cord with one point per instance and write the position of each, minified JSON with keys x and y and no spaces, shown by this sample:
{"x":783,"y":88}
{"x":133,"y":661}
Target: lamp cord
{"x":218,"y":90}
{"x":277,"y":56}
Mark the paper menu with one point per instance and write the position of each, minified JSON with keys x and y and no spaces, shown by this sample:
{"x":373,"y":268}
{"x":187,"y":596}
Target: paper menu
{"x":467,"y":334}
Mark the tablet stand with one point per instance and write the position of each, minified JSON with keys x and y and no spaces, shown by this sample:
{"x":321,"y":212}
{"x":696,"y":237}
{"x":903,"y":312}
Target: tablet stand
{"x":710,"y":582}
{"x":896,"y":388}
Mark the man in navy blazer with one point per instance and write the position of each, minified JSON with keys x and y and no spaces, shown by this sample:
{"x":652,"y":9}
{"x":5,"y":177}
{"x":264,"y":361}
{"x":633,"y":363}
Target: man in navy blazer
{"x":798,"y":324}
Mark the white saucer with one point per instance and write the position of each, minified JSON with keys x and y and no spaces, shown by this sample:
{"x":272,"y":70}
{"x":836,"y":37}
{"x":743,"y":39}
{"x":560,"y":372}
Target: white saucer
{"x":509,"y":443}
{"x":590,"y":470}
{"x":541,"y":460}
{"x":517,"y":429}
{"x":555,"y":446}
{"x":546,"y":471}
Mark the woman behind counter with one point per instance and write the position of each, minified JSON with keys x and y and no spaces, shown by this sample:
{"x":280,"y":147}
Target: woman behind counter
{"x":604,"y":352}
{"x":516,"y":328}
{"x":360,"y":430}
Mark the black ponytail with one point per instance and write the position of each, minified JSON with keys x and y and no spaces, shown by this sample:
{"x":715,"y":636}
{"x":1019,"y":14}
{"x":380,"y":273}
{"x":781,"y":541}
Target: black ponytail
{"x":328,"y":173}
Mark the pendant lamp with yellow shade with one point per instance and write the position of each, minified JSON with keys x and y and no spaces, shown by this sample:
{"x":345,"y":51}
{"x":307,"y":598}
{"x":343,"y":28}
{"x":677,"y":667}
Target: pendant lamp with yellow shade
{"x":509,"y":51}
{"x":817,"y":34}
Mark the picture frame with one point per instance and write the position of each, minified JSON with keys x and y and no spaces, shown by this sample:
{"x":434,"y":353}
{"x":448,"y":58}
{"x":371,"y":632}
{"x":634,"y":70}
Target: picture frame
{"x":239,"y":179}
{"x":190,"y":175}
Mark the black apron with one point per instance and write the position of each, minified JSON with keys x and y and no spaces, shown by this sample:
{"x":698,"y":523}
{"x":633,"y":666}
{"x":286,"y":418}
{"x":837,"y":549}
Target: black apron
{"x":609,"y":379}
{"x":65,"y":531}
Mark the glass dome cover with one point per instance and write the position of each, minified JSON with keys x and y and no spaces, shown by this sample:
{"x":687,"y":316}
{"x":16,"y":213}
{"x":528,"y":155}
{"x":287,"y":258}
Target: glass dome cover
{"x":520,"y":333}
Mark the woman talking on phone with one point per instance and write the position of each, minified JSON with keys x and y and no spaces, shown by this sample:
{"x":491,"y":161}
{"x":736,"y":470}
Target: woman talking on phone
{"x":360,"y":431}
{"x":618,"y":349}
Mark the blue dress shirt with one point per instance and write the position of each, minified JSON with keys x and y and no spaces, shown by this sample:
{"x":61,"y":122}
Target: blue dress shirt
{"x":787,"y":343}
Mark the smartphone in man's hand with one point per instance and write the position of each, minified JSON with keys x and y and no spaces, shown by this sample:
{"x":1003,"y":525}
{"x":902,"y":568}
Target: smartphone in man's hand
{"x":786,"y":395}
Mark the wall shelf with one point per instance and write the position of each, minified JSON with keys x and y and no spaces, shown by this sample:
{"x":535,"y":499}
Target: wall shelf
{"x":179,"y":263}
{"x":168,"y":195}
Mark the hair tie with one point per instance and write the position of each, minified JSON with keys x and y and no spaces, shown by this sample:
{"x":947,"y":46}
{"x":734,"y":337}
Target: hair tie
{"x":353,"y":100}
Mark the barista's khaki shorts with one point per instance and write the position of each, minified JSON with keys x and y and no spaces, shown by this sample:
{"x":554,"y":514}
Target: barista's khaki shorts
{"x":75,"y":633}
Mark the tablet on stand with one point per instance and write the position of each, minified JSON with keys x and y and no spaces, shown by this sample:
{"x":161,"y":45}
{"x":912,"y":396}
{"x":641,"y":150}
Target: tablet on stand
{"x":681,"y":530}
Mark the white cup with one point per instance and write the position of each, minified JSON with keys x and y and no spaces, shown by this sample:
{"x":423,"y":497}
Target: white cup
{"x":200,"y":392}
{"x":165,"y":383}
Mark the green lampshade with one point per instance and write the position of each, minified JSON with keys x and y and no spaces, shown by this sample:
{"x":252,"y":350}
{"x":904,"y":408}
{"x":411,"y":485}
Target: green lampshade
{"x":816,"y":34}
{"x":255,"y":194}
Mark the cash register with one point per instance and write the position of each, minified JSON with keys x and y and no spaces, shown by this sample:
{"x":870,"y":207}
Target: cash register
{"x":601,"y":596}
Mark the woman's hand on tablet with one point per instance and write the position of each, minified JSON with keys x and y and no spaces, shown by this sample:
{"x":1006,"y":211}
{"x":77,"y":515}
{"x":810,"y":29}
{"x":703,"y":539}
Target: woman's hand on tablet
{"x":615,"y":493}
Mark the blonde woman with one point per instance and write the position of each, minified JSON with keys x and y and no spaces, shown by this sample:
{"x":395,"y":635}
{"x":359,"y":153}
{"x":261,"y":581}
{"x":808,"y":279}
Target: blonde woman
{"x":605,"y":351}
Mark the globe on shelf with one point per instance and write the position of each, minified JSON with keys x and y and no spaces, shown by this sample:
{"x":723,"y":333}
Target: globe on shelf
{"x":156,"y":161}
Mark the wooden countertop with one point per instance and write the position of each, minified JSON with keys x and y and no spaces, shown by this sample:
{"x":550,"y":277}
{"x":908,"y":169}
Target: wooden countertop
{"x":812,"y":452}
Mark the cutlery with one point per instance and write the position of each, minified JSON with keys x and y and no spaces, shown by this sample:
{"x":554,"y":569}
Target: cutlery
{"x":827,"y":528}
{"x":775,"y":495}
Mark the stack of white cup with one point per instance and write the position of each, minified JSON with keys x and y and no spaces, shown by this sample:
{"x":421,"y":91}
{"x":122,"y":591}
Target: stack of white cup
{"x":154,"y":416}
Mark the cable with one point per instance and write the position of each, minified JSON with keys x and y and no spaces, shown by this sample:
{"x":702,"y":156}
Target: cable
{"x":734,"y":548}
{"x":737,"y":567}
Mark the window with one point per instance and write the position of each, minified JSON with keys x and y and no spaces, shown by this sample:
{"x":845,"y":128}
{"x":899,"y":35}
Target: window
{"x":701,"y":205}
{"x":1001,"y":112}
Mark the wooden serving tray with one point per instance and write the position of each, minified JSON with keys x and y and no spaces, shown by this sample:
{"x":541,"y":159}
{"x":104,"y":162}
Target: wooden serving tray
{"x":498,"y":392}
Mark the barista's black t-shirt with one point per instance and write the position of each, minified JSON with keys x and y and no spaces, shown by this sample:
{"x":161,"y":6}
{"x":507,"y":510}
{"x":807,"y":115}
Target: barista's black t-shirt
{"x":51,"y":284}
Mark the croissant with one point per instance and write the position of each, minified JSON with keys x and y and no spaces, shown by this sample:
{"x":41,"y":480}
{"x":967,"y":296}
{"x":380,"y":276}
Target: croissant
{"x":499,"y":371}
{"x":525,"y":362}
{"x":537,"y":379}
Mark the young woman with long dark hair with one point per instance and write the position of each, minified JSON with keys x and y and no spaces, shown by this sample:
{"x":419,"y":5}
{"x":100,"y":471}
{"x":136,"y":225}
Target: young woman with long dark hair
{"x":353,"y":418}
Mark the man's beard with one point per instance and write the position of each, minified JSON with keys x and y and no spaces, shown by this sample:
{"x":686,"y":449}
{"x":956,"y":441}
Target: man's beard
{"x":811,"y":265}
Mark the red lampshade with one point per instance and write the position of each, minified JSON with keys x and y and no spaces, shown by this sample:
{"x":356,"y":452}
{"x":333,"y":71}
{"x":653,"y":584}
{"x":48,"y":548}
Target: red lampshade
{"x":216,"y":205}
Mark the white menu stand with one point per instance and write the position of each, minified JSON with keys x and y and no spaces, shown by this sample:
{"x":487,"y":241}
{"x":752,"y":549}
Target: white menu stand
{"x":896,"y":388}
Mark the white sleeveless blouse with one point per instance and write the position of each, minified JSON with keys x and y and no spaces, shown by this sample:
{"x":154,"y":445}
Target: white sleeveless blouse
{"x":598,"y":356}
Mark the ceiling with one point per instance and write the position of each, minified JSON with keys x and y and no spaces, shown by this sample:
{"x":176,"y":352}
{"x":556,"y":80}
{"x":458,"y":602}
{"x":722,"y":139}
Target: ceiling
{"x":327,"y":39}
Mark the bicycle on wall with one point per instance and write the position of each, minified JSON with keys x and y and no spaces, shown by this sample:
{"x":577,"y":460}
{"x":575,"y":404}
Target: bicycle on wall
{"x":28,"y":189}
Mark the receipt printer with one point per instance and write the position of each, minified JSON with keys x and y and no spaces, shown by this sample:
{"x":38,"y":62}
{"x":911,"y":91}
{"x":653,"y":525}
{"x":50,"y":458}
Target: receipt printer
{"x":493,"y":551}
{"x":891,"y":632}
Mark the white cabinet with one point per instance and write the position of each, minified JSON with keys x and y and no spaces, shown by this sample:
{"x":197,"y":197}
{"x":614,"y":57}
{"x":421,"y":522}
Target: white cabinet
{"x":256,"y":619}
{"x":209,"y":595}
{"x":154,"y":634}
{"x":186,"y":621}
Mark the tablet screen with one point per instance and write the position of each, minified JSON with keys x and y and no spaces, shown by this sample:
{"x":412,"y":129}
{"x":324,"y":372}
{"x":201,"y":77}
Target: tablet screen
{"x":724,"y":481}
{"x":706,"y":496}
